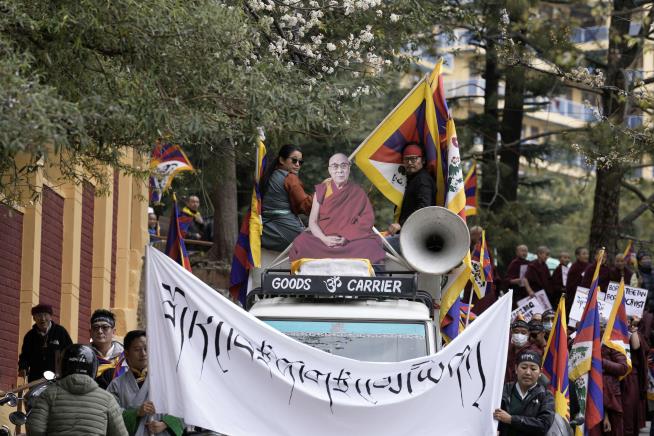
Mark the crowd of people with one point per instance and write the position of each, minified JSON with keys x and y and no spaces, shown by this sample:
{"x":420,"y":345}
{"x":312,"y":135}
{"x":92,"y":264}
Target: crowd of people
{"x":340,"y":225}
{"x":103,"y":386}
{"x":625,"y":391}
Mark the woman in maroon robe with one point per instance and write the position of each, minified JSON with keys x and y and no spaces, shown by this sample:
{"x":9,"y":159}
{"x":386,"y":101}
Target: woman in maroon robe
{"x":341,"y":220}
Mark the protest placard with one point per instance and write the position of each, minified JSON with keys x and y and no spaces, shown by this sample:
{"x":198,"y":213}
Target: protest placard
{"x":635,"y":298}
{"x":530,"y":307}
{"x":542,"y":299}
{"x":579,"y":304}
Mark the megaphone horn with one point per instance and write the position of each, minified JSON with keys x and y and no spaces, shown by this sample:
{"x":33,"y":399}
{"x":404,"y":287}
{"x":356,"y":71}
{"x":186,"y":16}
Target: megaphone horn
{"x":434,"y":240}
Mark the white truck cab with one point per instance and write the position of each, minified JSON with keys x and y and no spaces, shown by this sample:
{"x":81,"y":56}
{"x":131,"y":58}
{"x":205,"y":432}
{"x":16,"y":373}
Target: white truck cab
{"x":383,"y":318}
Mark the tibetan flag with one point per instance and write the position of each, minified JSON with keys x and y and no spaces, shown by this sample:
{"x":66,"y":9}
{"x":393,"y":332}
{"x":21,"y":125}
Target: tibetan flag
{"x":470,"y":185}
{"x":415,"y":119}
{"x":616,"y":333}
{"x":585,"y":364}
{"x":167,"y":160}
{"x":482,"y":268}
{"x":175,"y":247}
{"x":555,"y":363}
{"x":465,"y":309}
{"x":454,"y":201}
{"x":247,"y":251}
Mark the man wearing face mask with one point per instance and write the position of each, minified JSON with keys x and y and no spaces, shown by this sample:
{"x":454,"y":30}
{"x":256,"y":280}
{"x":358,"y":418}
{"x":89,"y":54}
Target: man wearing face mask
{"x":341,"y":220}
{"x":548,"y":321}
{"x":520,"y":343}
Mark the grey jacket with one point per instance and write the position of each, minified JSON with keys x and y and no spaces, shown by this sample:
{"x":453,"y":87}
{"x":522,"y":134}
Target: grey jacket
{"x":76,"y":406}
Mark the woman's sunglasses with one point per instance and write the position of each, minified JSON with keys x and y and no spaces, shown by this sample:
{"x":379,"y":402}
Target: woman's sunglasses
{"x":296,"y":161}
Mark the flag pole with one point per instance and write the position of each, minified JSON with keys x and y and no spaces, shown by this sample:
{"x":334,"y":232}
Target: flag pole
{"x":387,"y":117}
{"x":469,"y":308}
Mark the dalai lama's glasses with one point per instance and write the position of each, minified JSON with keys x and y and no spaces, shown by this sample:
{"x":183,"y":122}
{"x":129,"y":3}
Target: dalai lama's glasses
{"x":296,"y":161}
{"x":342,"y":166}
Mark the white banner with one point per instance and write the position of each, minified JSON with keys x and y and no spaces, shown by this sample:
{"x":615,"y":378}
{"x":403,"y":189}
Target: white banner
{"x":218,"y":367}
{"x":635,"y":298}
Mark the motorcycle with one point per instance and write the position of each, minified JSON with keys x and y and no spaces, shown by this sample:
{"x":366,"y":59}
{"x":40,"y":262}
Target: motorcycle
{"x":33,"y":390}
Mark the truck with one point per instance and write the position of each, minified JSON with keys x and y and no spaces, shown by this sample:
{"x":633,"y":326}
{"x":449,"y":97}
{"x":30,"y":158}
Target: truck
{"x":388,"y":316}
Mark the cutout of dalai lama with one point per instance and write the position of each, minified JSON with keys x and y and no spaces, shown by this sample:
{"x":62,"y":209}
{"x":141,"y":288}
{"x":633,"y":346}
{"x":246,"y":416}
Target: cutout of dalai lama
{"x":341,"y":220}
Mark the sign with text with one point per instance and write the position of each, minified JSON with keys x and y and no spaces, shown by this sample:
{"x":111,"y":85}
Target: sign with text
{"x":530,"y":307}
{"x":342,"y":285}
{"x":635,"y":298}
{"x":218,"y":367}
{"x":541,"y":297}
{"x":579,"y":304}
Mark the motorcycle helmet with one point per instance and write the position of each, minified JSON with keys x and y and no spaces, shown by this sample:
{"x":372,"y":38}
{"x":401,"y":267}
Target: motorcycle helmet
{"x":79,"y":359}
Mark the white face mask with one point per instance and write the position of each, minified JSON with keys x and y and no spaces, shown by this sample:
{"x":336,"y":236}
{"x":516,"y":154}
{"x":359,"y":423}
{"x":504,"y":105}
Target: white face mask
{"x":519,"y":339}
{"x":547,"y":326}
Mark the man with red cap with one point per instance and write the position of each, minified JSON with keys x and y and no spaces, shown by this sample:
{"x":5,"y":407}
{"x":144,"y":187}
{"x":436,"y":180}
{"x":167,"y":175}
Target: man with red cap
{"x":42,"y":345}
{"x":420,"y":190}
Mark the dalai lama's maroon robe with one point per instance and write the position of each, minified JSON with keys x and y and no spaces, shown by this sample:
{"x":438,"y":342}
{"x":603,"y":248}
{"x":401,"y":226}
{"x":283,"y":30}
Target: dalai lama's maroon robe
{"x":344,"y":212}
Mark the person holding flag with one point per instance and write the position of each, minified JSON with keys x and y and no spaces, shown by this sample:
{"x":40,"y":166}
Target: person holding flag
{"x":585,"y":360}
{"x":615,"y":367}
{"x":420,"y":190}
{"x":422,"y":117}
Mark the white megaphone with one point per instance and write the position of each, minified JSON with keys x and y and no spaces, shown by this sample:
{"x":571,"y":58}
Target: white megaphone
{"x":434,"y":240}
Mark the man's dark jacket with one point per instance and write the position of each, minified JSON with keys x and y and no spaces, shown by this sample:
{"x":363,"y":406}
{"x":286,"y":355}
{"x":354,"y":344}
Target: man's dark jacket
{"x":420,"y":192}
{"x":39,"y":352}
{"x":534,"y":418}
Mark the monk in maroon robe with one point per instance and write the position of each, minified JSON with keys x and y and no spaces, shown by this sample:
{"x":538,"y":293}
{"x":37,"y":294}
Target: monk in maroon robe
{"x":614,"y":366}
{"x":603,"y":278}
{"x":341,"y":220}
{"x":513,"y":279}
{"x":558,"y":288}
{"x":620,"y":270}
{"x":574,"y":276}
{"x":634,"y":386}
{"x":538,"y":274}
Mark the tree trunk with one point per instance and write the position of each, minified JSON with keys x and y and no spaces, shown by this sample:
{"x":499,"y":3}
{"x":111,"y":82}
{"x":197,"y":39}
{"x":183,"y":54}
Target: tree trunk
{"x":605,"y":231}
{"x":511,"y":129}
{"x":225,"y":223}
{"x":490,"y":121}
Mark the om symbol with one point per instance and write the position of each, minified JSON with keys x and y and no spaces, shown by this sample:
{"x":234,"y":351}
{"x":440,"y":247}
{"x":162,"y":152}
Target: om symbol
{"x":332,"y":284}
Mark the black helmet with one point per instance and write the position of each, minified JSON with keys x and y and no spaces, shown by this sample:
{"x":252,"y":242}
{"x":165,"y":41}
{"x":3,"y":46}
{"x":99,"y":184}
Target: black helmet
{"x":79,"y":359}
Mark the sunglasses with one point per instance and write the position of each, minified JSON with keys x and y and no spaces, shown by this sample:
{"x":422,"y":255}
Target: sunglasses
{"x":296,"y":161}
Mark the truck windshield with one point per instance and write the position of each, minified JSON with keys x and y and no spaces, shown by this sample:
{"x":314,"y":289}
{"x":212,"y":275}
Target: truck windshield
{"x":368,"y":341}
